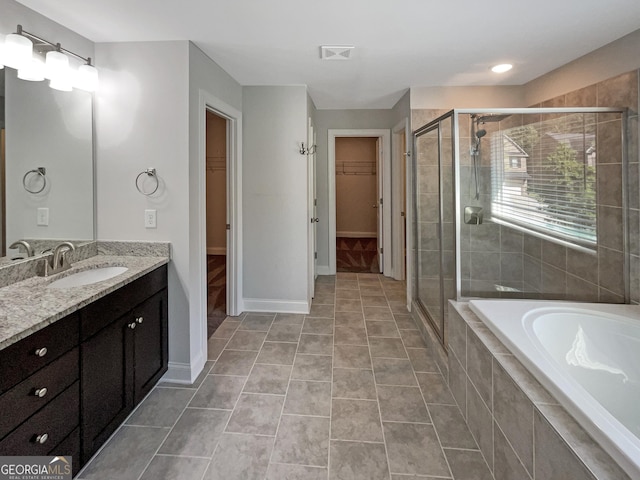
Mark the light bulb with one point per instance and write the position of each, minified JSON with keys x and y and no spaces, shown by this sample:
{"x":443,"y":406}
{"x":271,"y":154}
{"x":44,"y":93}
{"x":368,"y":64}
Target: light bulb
{"x":57,"y":66}
{"x":87,"y":78}
{"x":33,"y":71}
{"x":18,"y":51}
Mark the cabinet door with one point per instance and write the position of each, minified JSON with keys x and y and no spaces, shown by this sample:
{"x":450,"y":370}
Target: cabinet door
{"x":150,"y":343}
{"x":107,"y":363}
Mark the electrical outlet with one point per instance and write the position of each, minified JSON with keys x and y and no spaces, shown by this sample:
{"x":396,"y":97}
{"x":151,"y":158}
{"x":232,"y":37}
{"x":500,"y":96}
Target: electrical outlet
{"x":43,"y":217}
{"x":149,"y":219}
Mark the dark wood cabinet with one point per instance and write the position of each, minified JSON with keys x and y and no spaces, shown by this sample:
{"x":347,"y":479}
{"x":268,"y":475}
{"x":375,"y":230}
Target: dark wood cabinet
{"x":123,"y":360}
{"x":66,"y":388}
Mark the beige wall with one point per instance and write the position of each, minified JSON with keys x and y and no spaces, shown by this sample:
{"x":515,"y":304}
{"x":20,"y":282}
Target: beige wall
{"x":356,"y":187}
{"x":216,"y":184}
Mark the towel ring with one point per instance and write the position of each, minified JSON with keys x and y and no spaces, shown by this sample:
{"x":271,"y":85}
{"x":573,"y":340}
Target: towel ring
{"x":150,"y":172}
{"x":40,"y":171}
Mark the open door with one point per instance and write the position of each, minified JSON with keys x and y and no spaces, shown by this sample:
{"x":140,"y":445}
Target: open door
{"x":312,"y":209}
{"x":379,"y":204}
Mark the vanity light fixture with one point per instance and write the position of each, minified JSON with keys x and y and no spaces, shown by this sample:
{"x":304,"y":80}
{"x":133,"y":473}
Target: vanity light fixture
{"x":502,"y":68}
{"x":24,"y":51}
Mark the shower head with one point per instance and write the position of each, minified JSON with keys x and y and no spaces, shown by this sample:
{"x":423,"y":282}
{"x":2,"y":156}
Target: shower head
{"x":481,"y":133}
{"x":491,"y":117}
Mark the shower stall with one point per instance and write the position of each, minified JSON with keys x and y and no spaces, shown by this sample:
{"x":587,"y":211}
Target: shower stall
{"x":519,"y":203}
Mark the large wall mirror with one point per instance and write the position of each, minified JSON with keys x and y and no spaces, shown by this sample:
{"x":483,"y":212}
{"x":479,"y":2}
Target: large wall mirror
{"x":47,"y":169}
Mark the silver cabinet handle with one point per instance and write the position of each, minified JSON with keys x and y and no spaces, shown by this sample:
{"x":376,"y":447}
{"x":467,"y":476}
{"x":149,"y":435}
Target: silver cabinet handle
{"x":41,"y":352}
{"x":140,"y":320}
{"x":40,"y":392}
{"x":42,"y":439}
{"x":375,"y":206}
{"x":132,"y":325}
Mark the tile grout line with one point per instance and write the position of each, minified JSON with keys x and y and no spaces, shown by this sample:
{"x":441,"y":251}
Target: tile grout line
{"x":435,"y":430}
{"x":375,"y":386}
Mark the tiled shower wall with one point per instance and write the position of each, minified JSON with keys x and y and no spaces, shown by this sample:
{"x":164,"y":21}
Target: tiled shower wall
{"x":494,"y":254}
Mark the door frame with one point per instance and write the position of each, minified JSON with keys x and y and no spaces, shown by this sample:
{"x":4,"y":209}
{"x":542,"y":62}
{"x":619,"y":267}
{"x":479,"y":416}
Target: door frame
{"x":198,"y":256}
{"x":312,"y":240}
{"x":400,"y":154}
{"x":384,"y":136}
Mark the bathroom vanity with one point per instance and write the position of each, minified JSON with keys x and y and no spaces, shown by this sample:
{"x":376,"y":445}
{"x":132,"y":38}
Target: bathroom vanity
{"x":75,"y":362}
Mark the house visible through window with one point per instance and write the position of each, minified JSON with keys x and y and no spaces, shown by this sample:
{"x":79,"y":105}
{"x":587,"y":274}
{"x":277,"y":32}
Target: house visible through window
{"x":543,"y":179}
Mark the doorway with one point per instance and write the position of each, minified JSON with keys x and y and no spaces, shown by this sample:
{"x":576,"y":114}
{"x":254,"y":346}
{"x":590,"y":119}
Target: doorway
{"x":381,"y":204}
{"x":358,"y":217}
{"x":216,"y":219}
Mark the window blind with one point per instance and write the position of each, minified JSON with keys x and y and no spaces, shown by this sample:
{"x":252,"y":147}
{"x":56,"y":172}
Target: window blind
{"x":544,"y":178}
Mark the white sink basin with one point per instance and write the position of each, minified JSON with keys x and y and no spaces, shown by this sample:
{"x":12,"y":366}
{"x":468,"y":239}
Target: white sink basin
{"x":87,"y":277}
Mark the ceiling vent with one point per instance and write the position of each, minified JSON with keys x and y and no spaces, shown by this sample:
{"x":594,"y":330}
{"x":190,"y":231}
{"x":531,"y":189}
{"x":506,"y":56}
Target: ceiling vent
{"x":333,"y":52}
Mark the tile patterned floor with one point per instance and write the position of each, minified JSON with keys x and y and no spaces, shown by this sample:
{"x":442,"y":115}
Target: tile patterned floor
{"x":348,"y":392}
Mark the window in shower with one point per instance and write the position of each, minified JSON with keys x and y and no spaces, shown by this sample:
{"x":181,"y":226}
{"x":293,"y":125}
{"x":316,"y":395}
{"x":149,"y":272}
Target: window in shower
{"x":544,"y":178}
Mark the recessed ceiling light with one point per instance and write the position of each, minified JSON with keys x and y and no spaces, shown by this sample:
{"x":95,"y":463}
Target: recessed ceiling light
{"x":503,"y":67}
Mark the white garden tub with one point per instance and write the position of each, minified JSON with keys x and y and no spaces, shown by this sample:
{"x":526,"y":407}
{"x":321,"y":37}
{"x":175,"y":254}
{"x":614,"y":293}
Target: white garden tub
{"x":587,"y":355}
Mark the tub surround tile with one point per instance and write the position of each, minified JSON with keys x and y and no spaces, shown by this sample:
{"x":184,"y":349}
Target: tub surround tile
{"x":554,"y":459}
{"x":601,"y":464}
{"x":525,"y":419}
{"x":479,"y":366}
{"x":507,"y":465}
{"x":513,"y":412}
{"x":480,"y":423}
{"x":468,"y":465}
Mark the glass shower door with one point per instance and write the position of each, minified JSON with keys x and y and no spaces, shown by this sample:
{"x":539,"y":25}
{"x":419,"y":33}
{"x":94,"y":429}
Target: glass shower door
{"x":434,"y":222}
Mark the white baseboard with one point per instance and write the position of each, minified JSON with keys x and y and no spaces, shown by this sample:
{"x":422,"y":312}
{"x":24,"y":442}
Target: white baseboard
{"x":357,"y":234}
{"x":216,"y":251}
{"x":183,"y":373}
{"x":323,"y":270}
{"x":275,"y":306}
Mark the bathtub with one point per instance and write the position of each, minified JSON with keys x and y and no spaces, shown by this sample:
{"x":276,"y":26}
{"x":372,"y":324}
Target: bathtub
{"x":587,"y":356}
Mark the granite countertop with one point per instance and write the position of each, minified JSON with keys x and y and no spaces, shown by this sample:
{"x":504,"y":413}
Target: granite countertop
{"x":28,"y":306}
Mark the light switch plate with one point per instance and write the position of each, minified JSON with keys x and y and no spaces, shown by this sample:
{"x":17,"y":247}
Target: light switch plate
{"x":149,"y":219}
{"x":43,"y":217}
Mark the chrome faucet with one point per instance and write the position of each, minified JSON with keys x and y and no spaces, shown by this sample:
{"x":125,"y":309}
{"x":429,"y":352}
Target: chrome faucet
{"x":59,"y":262}
{"x":26,"y":246}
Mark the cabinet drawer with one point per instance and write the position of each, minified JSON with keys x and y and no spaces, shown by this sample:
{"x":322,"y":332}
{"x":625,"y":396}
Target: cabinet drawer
{"x":22,"y":400}
{"x":99,"y":314}
{"x":70,"y":447}
{"x":21,"y":359}
{"x":57,"y":420}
